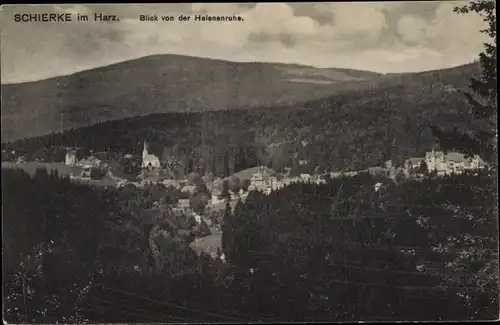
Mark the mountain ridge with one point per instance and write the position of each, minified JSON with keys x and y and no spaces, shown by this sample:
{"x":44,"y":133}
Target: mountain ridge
{"x":170,"y":83}
{"x":291,"y":65}
{"x":153,"y":56}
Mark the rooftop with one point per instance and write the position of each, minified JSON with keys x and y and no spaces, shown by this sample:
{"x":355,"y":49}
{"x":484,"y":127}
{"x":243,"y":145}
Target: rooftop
{"x":149,"y":157}
{"x":455,"y":156}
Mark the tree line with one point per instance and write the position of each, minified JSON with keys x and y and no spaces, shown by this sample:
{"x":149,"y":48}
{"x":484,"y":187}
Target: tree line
{"x":337,"y":251}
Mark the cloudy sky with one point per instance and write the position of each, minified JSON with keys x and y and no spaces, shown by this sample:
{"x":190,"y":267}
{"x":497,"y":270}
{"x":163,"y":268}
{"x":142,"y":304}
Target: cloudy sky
{"x":383,"y":37}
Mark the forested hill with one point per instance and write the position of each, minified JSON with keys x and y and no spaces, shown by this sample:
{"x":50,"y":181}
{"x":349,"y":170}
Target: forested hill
{"x":351,"y":130}
{"x":160,"y":84}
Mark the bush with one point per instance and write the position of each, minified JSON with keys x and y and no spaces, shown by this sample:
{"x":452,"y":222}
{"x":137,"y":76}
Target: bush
{"x":245,"y":184}
{"x":202,"y":230}
{"x":199,"y":201}
{"x":194,"y":179}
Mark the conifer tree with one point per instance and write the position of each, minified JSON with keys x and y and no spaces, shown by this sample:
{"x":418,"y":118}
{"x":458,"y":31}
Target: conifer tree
{"x":480,"y":135}
{"x":227,"y":225}
{"x":225,"y":190}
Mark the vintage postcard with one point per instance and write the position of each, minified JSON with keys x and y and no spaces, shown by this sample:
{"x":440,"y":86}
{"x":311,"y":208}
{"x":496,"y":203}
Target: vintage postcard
{"x":249,"y":162}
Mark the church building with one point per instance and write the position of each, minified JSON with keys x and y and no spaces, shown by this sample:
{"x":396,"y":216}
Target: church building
{"x":149,"y":161}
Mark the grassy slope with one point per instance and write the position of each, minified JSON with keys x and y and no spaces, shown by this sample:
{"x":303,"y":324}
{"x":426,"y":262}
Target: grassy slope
{"x":31,"y":167}
{"x":62,"y":169}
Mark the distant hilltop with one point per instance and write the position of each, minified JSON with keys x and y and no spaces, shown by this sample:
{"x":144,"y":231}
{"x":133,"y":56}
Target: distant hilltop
{"x":175,"y":83}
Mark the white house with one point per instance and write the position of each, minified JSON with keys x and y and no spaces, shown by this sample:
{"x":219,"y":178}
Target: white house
{"x":92,"y":161}
{"x":257,"y":181}
{"x":335,"y":174}
{"x":183,"y":204}
{"x":70,"y":159}
{"x":215,"y":199}
{"x":149,"y":161}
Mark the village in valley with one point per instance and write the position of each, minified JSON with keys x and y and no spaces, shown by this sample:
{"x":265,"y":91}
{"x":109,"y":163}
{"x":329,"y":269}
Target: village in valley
{"x":96,"y":169}
{"x":146,"y":170}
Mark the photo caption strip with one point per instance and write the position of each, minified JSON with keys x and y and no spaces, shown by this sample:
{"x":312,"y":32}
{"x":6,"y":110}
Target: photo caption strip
{"x":105,"y":17}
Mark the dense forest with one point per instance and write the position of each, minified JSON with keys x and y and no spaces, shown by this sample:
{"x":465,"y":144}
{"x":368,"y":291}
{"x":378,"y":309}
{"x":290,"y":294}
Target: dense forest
{"x":350,"y":131}
{"x":334,"y":252}
{"x":395,"y":254}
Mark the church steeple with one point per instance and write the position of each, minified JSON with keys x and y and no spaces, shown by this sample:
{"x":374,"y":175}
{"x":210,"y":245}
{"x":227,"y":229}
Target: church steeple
{"x":145,"y":150}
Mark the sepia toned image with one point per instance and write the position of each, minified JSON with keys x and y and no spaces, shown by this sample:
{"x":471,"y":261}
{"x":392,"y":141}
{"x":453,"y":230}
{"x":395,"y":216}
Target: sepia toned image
{"x":250,"y":162}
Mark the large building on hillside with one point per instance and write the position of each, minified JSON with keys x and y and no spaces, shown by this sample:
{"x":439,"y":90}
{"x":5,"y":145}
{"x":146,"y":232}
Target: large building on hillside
{"x":257,"y":182}
{"x":444,"y":163}
{"x":451,"y":162}
{"x":149,"y":160}
{"x":437,"y":161}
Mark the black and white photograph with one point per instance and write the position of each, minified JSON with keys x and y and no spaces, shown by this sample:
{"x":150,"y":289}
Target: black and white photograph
{"x":303,"y":162}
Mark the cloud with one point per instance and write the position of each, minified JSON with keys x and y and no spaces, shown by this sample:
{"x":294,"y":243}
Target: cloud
{"x":412,"y":29}
{"x":358,"y":19}
{"x":217,"y":8}
{"x":277,"y":19}
{"x":320,"y":12}
{"x":449,"y":33}
{"x":457,"y":32}
{"x":378,"y":36}
{"x":73,"y":9}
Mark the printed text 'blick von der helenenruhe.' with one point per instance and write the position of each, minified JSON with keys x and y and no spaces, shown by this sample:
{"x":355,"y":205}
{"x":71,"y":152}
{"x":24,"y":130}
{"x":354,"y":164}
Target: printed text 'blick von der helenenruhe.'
{"x":104,"y":17}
